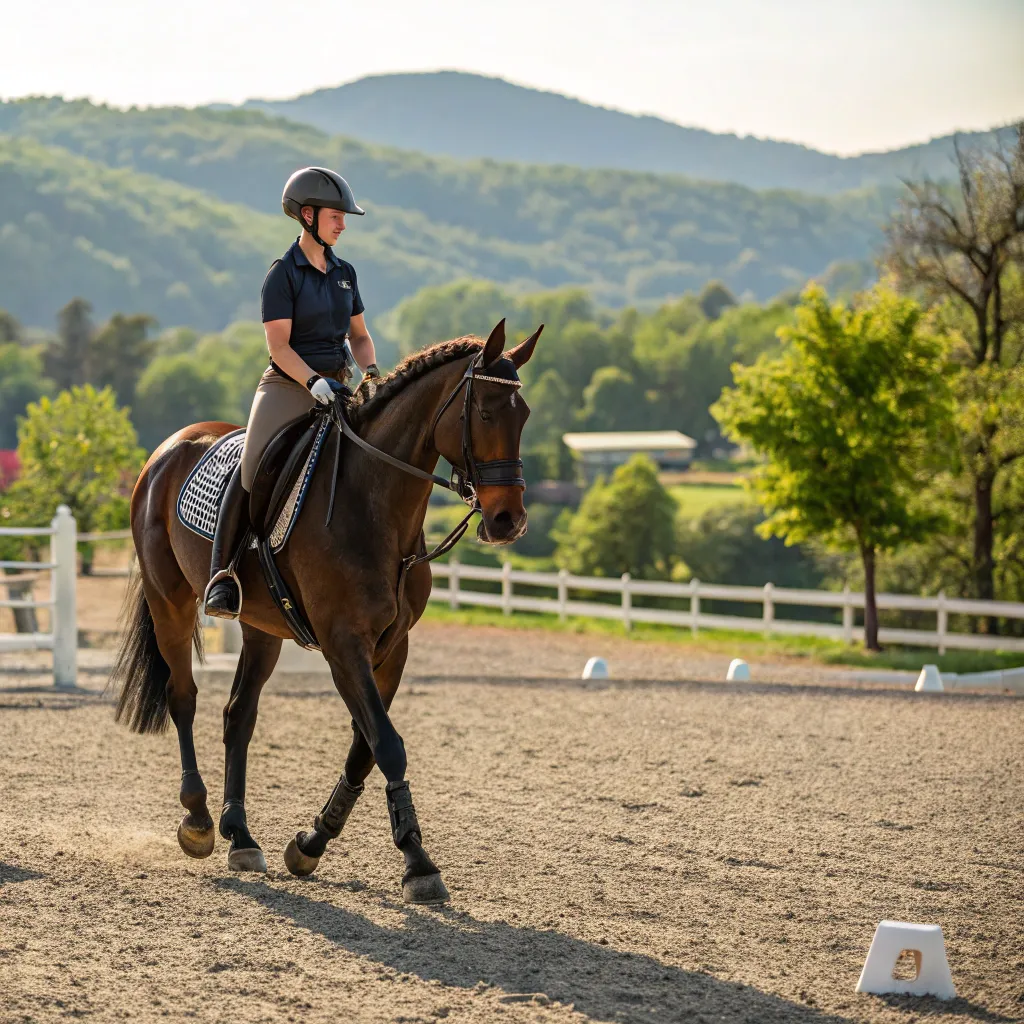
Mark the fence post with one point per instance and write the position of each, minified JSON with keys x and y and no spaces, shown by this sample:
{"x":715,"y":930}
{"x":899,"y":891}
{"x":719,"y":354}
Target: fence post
{"x":694,"y":605}
{"x":64,"y":622}
{"x":453,"y":584}
{"x":506,"y":588}
{"x":943,"y":622}
{"x":563,"y":593}
{"x":847,"y":615}
{"x":768,"y":616}
{"x":627,"y":602}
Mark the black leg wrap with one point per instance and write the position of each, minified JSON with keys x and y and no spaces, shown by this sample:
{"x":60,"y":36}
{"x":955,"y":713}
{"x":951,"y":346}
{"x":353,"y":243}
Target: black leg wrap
{"x":233,"y":817}
{"x":331,"y":820}
{"x":402,"y":812}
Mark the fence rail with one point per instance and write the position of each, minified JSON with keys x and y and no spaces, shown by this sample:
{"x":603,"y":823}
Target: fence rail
{"x":769,"y":597}
{"x":63,"y":636}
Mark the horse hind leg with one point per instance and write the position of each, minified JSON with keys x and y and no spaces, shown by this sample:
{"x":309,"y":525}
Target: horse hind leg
{"x":173,"y":613}
{"x":256,"y":662}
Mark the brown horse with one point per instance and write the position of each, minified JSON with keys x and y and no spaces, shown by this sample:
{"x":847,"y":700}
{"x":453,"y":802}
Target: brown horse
{"x":345,"y":578}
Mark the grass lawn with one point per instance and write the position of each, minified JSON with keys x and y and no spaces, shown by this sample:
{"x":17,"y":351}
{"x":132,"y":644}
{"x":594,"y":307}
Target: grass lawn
{"x":695,"y":499}
{"x":739,"y":643}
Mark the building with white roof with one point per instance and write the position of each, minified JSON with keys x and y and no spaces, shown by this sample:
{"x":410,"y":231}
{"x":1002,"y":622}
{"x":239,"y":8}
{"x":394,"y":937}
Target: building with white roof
{"x":599,"y":453}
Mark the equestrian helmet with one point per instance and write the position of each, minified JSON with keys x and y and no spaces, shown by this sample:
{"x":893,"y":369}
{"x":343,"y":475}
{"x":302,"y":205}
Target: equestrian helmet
{"x":317,"y":187}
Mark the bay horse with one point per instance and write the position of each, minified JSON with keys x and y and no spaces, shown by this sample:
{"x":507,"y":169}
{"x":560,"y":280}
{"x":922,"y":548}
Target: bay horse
{"x":345,"y":577}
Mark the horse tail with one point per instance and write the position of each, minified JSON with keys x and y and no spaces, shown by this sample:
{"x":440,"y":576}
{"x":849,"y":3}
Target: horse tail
{"x":140,"y":668}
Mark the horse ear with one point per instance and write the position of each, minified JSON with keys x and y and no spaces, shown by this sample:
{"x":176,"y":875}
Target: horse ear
{"x":520,"y":355}
{"x":495,"y":344}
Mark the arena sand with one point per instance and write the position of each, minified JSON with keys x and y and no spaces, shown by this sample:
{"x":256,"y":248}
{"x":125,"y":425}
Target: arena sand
{"x":629,"y":851}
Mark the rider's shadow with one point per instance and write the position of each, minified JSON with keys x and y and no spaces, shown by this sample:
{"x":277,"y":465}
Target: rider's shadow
{"x":603,"y":983}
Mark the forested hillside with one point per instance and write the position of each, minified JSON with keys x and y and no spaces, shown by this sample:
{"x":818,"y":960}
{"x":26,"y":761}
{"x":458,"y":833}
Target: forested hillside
{"x":175,"y":248}
{"x":452,"y":113}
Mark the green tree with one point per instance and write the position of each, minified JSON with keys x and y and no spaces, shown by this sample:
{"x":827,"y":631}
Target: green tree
{"x":622,"y":525}
{"x":119,"y":353}
{"x":551,"y":416}
{"x":67,"y":357}
{"x":78,"y":449}
{"x":21,"y":382}
{"x":855,"y":417}
{"x":10,"y":329}
{"x":715,"y":299}
{"x":612,"y":401}
{"x":966,"y":249}
{"x":173,"y":392}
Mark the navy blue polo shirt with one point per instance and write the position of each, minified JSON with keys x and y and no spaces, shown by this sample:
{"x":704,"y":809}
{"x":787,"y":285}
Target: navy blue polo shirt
{"x":320,"y":306}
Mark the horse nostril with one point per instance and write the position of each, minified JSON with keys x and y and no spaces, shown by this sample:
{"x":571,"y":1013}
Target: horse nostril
{"x":504,"y":521}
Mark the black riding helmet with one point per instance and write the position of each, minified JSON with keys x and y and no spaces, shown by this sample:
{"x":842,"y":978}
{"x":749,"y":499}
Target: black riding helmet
{"x":317,"y":187}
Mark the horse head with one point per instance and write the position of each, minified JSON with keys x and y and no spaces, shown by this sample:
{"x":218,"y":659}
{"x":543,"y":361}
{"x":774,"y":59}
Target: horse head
{"x":485,"y":431}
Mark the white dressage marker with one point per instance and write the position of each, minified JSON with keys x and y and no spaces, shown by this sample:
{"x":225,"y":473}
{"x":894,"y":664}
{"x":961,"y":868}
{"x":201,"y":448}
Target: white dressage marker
{"x":596,"y":668}
{"x":925,"y":941}
{"x":739,"y":671}
{"x":929,"y":681}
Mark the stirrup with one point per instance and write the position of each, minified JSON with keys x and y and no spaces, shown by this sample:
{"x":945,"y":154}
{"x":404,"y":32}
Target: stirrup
{"x":217,"y":613}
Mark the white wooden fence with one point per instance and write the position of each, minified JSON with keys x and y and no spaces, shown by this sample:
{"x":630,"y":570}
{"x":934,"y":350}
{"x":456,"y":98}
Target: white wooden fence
{"x":563,"y":603}
{"x":63,"y":636}
{"x":568,"y":596}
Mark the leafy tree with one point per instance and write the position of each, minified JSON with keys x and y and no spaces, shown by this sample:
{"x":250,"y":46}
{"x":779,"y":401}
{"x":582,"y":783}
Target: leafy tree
{"x":78,"y":449}
{"x":551,"y":415}
{"x":21,"y":382}
{"x":715,"y":299}
{"x":966,"y":249}
{"x":119,"y":353}
{"x":10,"y":329}
{"x":854,"y":418}
{"x":174,"y":392}
{"x":67,"y":357}
{"x":622,"y":525}
{"x":612,"y":401}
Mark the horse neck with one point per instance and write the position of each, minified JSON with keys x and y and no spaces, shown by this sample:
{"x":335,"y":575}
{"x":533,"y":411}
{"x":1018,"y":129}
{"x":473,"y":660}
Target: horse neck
{"x":404,"y":428}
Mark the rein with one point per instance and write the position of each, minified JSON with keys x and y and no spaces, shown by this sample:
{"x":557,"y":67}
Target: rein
{"x":464,"y":483}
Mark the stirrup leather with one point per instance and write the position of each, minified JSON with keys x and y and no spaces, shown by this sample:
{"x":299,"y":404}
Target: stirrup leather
{"x":224,"y":574}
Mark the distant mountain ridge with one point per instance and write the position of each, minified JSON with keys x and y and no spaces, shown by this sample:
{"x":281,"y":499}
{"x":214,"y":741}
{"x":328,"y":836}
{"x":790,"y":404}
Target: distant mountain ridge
{"x":177,"y":213}
{"x":467,"y":116}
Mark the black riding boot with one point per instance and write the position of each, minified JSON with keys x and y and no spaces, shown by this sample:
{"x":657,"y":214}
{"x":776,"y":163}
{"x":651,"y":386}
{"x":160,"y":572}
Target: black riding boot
{"x":223,"y":597}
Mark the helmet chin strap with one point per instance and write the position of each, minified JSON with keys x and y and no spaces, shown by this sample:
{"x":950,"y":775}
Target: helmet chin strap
{"x":312,"y":229}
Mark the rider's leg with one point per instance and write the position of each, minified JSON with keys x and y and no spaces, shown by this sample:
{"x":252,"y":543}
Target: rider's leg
{"x":278,"y":401}
{"x":223,"y":597}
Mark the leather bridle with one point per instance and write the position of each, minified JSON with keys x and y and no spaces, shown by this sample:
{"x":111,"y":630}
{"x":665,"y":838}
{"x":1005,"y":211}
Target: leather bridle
{"x":465,"y":482}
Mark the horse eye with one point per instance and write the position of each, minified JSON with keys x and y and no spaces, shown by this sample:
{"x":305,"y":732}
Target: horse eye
{"x":484,"y":415}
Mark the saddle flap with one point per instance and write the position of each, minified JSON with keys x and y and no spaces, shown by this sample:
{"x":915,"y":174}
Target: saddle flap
{"x":282,"y":460}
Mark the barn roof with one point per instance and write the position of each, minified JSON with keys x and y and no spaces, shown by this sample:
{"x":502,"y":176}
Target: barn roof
{"x":629,"y":440}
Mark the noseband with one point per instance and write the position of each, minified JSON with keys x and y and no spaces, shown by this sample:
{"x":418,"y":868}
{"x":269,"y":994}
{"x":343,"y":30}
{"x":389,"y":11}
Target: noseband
{"x":465,"y":482}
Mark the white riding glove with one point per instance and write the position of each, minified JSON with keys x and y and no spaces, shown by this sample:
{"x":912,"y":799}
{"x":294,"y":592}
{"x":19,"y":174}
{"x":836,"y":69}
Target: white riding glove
{"x":322,"y":392}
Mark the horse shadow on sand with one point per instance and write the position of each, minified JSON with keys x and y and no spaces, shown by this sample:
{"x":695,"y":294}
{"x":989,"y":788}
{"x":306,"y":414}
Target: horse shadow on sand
{"x":448,"y":945}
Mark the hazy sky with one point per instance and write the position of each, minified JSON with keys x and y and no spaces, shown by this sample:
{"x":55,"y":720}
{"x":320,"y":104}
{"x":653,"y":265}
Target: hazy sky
{"x":843,"y":77}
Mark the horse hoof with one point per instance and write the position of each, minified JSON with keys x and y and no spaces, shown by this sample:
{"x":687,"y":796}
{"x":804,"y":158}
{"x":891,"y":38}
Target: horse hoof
{"x":196,"y":836}
{"x":297,"y":862}
{"x":251,"y":859}
{"x":425,"y":889}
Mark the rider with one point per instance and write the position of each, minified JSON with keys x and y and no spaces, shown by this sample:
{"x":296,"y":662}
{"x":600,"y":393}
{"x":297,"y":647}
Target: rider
{"x":310,"y":303}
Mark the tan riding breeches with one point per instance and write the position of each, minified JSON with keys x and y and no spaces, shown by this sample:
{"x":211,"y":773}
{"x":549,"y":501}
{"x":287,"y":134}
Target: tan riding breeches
{"x":278,"y":401}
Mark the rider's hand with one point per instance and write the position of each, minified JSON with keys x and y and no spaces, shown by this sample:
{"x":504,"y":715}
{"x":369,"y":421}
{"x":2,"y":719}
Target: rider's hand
{"x":322,"y":391}
{"x":371,"y":371}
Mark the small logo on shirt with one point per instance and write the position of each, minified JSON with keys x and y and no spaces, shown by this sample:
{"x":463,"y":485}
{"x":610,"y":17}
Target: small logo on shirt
{"x":344,"y":284}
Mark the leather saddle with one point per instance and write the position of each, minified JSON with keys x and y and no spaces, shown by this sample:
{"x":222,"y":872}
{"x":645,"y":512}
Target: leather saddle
{"x":280,"y":464}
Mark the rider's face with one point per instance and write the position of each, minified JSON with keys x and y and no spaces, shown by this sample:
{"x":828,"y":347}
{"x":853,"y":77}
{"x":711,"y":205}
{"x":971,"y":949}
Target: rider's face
{"x":330,"y":223}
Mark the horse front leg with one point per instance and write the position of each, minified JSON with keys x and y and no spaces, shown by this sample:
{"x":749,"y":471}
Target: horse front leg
{"x":375,"y":740}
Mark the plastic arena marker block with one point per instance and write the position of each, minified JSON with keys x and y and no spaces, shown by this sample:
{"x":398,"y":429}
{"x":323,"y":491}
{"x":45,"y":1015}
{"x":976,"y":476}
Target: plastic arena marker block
{"x":595,"y":668}
{"x":929,"y":681}
{"x":928,"y":947}
{"x":739,"y":671}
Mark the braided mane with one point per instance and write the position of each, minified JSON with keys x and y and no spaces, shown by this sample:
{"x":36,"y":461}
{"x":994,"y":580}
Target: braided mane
{"x":372,"y":395}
